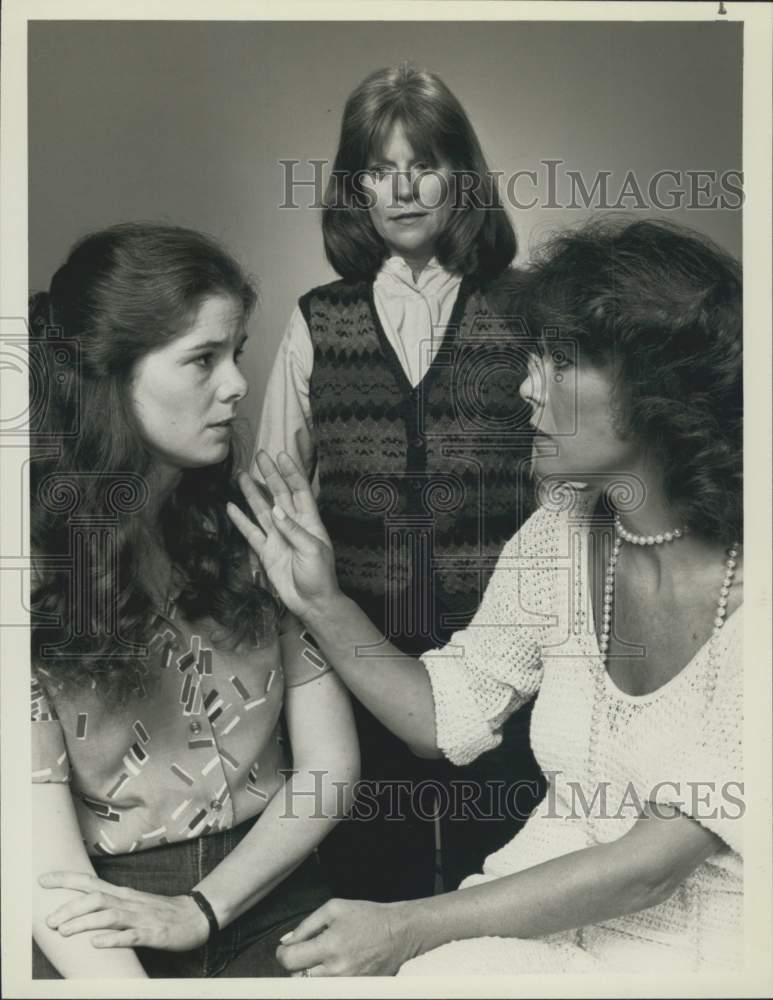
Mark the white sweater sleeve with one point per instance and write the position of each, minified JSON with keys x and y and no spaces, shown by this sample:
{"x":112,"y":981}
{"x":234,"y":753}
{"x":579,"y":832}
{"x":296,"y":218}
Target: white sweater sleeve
{"x":494,"y":666}
{"x":285,"y":423}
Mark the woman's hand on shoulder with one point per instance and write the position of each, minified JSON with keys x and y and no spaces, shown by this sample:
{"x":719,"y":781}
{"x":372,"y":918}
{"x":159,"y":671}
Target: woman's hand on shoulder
{"x":346,"y":937}
{"x":127,"y":918}
{"x":289,"y":538}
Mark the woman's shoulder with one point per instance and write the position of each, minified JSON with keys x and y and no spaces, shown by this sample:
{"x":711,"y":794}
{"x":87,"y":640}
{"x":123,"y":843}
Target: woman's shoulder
{"x":338,"y":292}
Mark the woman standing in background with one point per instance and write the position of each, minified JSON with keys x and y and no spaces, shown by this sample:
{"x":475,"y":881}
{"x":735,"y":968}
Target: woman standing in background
{"x":398,"y":388}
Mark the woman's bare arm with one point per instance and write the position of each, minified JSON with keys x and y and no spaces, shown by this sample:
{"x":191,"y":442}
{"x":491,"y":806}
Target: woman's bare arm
{"x":641,"y":869}
{"x":325,"y":767}
{"x":58,"y":845}
{"x":326,"y":762}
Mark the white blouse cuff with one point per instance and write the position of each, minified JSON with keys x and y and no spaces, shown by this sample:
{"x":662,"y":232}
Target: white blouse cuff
{"x":462,"y":731}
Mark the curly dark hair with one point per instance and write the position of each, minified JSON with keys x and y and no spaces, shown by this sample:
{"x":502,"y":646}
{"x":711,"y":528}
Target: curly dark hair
{"x":121,"y":293}
{"x":479,"y":238}
{"x":665,"y":305}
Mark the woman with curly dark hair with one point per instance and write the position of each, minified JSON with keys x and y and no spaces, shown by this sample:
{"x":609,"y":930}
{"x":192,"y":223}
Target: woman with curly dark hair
{"x":619,"y":603}
{"x":161,"y":666}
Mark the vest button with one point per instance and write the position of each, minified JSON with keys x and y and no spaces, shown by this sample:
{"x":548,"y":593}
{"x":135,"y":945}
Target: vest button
{"x":417,"y":443}
{"x":195,"y":727}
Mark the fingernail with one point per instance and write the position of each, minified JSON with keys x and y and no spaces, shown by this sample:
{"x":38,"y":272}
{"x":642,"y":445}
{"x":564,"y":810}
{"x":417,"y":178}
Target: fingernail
{"x":278,"y":513}
{"x":285,"y":937}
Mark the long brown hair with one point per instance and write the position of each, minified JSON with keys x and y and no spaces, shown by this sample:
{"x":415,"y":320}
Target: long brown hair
{"x":121,"y":293}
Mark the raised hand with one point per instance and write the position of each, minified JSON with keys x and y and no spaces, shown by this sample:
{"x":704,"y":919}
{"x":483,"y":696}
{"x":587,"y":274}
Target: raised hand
{"x":125,"y":917}
{"x":289,"y":539}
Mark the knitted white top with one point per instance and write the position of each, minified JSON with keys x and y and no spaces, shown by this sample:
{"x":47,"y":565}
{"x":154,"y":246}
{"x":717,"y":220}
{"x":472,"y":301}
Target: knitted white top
{"x":681,"y":745}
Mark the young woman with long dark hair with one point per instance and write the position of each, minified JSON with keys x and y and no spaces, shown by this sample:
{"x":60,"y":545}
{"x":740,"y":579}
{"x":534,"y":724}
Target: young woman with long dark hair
{"x":170,"y":694}
{"x":396,"y":388}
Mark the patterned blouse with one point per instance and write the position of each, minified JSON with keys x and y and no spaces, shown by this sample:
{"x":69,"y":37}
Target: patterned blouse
{"x":202,"y":752}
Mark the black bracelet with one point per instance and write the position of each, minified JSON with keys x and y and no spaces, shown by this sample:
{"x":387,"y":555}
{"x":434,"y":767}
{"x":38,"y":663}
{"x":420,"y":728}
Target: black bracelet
{"x":206,"y":908}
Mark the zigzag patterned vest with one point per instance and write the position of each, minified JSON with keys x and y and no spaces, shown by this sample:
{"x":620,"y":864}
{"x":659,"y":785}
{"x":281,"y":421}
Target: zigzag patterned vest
{"x":419,"y":487}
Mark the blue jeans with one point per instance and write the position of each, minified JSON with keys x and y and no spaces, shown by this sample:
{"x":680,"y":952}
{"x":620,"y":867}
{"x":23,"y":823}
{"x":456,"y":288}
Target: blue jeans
{"x":247,"y":946}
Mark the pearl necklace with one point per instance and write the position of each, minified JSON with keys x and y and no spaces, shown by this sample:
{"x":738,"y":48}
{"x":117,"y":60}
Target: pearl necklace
{"x":628,"y":536}
{"x":621,"y":535}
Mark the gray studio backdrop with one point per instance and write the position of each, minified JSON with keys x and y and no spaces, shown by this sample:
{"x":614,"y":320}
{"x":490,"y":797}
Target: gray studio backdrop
{"x":187,"y":122}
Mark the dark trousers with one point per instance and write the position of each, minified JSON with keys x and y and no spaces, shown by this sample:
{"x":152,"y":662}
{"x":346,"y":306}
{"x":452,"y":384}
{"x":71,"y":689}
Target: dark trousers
{"x":247,"y":946}
{"x":386,"y":851}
